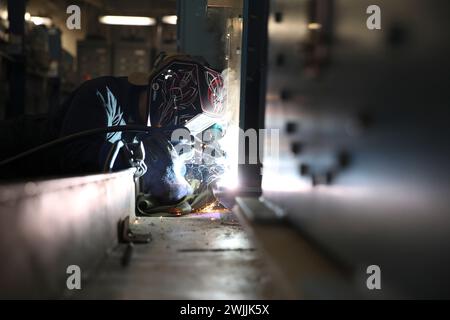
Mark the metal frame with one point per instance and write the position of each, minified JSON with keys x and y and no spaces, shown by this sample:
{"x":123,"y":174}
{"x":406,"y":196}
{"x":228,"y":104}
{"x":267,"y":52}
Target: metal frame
{"x":253,"y":85}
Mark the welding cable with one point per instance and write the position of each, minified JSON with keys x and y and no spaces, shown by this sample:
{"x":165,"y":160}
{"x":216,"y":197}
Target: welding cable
{"x":81,"y":134}
{"x":112,"y":156}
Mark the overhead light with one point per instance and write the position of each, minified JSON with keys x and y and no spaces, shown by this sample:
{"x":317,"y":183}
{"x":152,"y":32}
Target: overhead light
{"x":170,"y":19}
{"x":127,"y":20}
{"x":28,"y":17}
{"x":4,"y":14}
{"x":314,"y":26}
{"x":40,"y":20}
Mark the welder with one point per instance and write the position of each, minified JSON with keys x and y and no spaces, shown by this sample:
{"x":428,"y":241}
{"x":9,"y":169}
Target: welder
{"x":180,"y":91}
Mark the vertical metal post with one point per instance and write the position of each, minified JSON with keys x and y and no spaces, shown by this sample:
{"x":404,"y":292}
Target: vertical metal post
{"x":194,"y":33}
{"x":16,"y":16}
{"x":253,"y":86}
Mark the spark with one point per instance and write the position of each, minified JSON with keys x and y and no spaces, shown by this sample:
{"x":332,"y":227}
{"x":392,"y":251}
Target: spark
{"x":214,"y":206}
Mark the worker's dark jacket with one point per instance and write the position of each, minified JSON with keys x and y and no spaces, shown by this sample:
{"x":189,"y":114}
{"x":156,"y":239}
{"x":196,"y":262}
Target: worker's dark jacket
{"x":102,"y":102}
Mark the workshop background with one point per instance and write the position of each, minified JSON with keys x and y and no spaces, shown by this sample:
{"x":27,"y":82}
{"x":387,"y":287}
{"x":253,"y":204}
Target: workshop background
{"x":361,"y":181}
{"x":58,"y":59}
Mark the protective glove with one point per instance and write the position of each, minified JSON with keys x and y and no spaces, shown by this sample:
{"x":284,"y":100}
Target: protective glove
{"x":164,"y":180}
{"x":147,"y":205}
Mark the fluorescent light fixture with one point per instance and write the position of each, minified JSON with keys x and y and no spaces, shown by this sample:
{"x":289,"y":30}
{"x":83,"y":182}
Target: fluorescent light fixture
{"x":127,"y":20}
{"x":40,"y":21}
{"x":170,"y":19}
{"x":4,"y":14}
{"x":28,"y":17}
{"x":314,"y":26}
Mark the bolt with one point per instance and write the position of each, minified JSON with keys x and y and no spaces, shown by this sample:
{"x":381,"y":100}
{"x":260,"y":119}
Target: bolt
{"x":278,"y":17}
{"x":291,"y":127}
{"x":296,"y":147}
{"x":304,"y":169}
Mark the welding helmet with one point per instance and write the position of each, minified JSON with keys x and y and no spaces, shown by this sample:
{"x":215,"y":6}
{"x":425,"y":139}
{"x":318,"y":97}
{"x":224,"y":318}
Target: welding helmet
{"x":185,"y":91}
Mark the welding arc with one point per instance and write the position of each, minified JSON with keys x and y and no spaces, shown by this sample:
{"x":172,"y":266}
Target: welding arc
{"x":81,"y":134}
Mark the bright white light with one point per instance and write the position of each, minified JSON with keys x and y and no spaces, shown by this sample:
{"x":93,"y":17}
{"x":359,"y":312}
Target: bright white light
{"x":229,"y":143}
{"x":40,"y":21}
{"x":127,"y":20}
{"x":232,"y":243}
{"x":4,"y":15}
{"x":229,"y":181}
{"x":314,"y":26}
{"x":283,"y":183}
{"x":170,"y":19}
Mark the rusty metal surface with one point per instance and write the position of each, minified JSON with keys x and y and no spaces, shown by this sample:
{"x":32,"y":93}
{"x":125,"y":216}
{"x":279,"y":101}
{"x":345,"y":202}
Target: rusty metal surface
{"x":200,"y":256}
{"x":48,"y":225}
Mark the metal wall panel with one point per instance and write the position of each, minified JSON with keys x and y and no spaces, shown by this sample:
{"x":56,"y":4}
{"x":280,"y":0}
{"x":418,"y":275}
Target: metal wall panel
{"x":46,"y":226}
{"x":364,"y":158}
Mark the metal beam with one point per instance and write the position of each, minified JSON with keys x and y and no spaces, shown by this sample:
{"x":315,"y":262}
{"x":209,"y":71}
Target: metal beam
{"x":253,"y":84}
{"x":48,"y":225}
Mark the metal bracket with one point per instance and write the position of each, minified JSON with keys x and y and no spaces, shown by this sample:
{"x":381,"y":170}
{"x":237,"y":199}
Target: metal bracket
{"x":134,"y":232}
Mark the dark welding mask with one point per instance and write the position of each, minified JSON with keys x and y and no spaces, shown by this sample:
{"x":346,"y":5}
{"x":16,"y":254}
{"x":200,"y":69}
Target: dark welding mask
{"x":184,"y":91}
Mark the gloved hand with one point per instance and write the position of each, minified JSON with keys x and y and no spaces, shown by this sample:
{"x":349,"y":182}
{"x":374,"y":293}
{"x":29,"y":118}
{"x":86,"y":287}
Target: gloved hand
{"x":164,"y":179}
{"x":146,"y":205}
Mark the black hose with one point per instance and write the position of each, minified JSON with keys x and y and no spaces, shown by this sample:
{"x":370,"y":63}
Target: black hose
{"x":125,"y":128}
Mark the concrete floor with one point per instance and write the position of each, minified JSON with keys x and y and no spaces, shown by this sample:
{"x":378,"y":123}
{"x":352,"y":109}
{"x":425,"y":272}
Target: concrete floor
{"x":199,"y":256}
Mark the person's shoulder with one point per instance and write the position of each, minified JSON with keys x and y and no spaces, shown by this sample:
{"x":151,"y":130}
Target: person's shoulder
{"x":103,"y":81}
{"x":92,"y":88}
{"x":102,"y":87}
